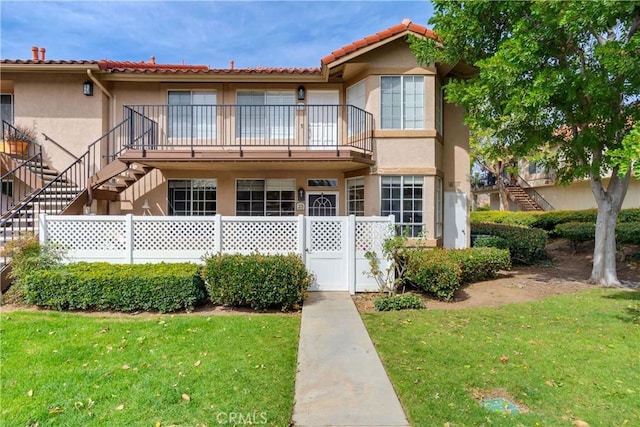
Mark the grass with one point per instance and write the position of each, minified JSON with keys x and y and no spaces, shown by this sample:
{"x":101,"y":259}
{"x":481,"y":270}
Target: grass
{"x":567,"y":358}
{"x":186,"y":370}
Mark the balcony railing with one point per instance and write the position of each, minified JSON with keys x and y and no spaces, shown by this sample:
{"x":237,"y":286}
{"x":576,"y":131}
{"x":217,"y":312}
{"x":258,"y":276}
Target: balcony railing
{"x":291,"y":127}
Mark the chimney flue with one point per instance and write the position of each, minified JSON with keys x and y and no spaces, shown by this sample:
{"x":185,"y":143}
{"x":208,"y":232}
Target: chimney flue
{"x":42,"y":51}
{"x":34,"y":53}
{"x":232,"y":64}
{"x":153,"y":59}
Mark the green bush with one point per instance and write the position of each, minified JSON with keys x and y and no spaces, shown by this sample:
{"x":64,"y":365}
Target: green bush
{"x":256,"y":281}
{"x":628,"y":233}
{"x":398,"y":302}
{"x":434,"y":272}
{"x":122,"y":287}
{"x":477,"y":264}
{"x":576,"y":232}
{"x":629,"y":215}
{"x":490,"y":242}
{"x":526,"y":245}
{"x":506,"y":217}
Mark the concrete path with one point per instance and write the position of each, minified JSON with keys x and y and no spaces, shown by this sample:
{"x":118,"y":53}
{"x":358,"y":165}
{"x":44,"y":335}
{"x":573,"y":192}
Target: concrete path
{"x":340,"y":379}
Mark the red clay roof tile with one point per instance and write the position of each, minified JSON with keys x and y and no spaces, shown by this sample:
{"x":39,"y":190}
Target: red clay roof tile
{"x":406,"y":25}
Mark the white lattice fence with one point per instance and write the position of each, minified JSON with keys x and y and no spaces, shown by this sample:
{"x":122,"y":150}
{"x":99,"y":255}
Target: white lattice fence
{"x":141,"y":239}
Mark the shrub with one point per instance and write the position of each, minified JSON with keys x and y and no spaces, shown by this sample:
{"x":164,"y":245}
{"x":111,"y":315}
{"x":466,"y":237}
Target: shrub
{"x":576,"y":232}
{"x":398,"y":302}
{"x":433,"y":271}
{"x":629,"y":215}
{"x":477,"y":264}
{"x":256,"y":281}
{"x":123,"y":287}
{"x":490,"y":242}
{"x":628,"y":233}
{"x":506,"y":217}
{"x":526,"y":245}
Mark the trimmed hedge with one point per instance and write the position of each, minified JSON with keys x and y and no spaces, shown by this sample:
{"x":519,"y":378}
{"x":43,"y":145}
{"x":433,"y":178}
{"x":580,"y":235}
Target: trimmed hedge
{"x":441,"y":272}
{"x":549,"y":220}
{"x":121,"y":287}
{"x":398,"y":302}
{"x":490,"y":242}
{"x":434,"y":272}
{"x":477,"y":264}
{"x":526,"y":245}
{"x":256,"y":281}
{"x":577,"y":232}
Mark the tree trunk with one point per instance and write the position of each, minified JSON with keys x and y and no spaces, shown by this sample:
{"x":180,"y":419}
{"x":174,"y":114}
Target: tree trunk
{"x":502,"y":192}
{"x":609,"y":202}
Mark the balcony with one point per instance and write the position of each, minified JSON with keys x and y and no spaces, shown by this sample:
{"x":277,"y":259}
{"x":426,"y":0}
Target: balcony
{"x":245,"y":132}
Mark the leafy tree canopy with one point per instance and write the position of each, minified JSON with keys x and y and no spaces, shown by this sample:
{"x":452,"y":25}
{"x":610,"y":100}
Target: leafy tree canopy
{"x":555,"y":77}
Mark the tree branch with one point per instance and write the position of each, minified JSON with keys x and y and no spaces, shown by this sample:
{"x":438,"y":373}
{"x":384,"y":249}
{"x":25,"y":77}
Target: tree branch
{"x":635,"y":25}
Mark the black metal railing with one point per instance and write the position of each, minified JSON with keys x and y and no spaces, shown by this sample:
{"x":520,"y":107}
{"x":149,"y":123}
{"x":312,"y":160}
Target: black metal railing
{"x":194,"y":127}
{"x":20,"y":182}
{"x":535,"y":196}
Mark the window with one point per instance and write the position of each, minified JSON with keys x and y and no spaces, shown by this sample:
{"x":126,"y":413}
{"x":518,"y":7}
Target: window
{"x":401,"y":196}
{"x":7,"y":188}
{"x":439,"y":106}
{"x":271,"y":197}
{"x":192,"y":114}
{"x":402,"y":102}
{"x":355,"y":196}
{"x":439,"y":206}
{"x":322,"y":183}
{"x":536,"y":167}
{"x":265,"y":114}
{"x":356,"y":98}
{"x":192,"y":197}
{"x":6,"y":107}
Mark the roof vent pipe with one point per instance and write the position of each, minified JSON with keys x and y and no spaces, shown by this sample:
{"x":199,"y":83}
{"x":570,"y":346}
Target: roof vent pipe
{"x":34,"y":53}
{"x":231,"y":64}
{"x":42,"y":51}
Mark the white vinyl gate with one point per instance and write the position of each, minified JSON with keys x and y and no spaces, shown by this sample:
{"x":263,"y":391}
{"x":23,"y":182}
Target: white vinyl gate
{"x":333,"y":248}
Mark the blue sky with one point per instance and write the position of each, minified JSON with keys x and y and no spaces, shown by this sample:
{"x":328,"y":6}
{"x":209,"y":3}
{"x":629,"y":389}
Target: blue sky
{"x":252,"y":33}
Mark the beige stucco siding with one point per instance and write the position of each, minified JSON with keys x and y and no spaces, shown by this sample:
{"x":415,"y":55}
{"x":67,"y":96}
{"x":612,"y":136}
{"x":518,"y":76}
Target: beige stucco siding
{"x":54,"y":104}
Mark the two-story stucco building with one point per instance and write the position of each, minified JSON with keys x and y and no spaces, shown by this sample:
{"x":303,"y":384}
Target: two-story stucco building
{"x":367,"y":133}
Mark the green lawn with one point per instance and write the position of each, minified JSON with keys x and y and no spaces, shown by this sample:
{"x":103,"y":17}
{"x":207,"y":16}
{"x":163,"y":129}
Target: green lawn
{"x":574,"y":357}
{"x":187,"y":370}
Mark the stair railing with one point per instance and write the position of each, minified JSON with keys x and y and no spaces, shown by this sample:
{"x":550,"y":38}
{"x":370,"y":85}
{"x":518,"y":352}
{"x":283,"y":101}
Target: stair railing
{"x":535,"y":196}
{"x":20,"y":182}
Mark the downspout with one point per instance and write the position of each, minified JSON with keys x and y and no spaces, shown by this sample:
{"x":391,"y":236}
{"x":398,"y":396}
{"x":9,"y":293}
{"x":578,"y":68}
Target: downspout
{"x":113,"y":118}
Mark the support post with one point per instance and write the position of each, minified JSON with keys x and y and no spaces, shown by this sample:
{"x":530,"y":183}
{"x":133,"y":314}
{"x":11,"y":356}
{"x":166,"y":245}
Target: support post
{"x":42,"y":227}
{"x":301,"y":238}
{"x":128,"y":238}
{"x":217,"y":239}
{"x":351,"y":254}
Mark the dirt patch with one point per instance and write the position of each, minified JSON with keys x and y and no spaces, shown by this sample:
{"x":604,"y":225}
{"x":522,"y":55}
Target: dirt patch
{"x":565,"y":272}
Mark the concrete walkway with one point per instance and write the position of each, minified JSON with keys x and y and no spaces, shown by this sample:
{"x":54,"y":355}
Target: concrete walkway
{"x":340,"y":379}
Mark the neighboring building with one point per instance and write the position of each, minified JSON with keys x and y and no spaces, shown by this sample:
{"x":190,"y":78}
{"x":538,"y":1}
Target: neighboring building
{"x":535,"y":186}
{"x":367,"y":133}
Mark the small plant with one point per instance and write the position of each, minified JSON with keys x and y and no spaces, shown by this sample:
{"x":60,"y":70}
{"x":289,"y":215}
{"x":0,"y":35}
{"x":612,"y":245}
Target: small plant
{"x":28,"y":255}
{"x":394,"y":251}
{"x":398,"y":302}
{"x":20,"y":133}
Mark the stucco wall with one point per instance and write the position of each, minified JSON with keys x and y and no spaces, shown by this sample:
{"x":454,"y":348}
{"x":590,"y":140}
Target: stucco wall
{"x":54,"y":104}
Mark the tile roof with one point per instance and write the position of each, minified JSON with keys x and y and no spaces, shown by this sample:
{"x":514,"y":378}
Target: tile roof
{"x":48,"y":62}
{"x":152,"y":67}
{"x":405,"y":26}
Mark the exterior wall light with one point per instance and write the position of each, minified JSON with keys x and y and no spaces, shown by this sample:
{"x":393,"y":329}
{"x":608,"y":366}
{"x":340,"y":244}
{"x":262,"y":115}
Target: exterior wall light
{"x":301,"y":194}
{"x":87,"y":88}
{"x":301,"y":93}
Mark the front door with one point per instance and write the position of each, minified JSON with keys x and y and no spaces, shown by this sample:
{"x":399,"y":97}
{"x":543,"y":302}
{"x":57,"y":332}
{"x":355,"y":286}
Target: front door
{"x":322,"y":204}
{"x":323,"y":119}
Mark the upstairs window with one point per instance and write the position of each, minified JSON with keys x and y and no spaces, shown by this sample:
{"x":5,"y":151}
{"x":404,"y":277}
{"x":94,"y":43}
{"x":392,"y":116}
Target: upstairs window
{"x":6,"y":107}
{"x":265,"y":114}
{"x":192,"y":114}
{"x":402,"y":102}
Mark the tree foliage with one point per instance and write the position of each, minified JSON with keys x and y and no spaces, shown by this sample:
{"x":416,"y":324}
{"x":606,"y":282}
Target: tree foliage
{"x":559,"y":80}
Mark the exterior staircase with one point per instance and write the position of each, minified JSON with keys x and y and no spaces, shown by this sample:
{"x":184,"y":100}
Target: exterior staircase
{"x":522,"y":198}
{"x":93,"y":175}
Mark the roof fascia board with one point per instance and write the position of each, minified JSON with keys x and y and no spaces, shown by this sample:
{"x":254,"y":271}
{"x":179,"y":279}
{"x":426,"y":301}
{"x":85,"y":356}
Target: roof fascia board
{"x":210,"y":78}
{"x":47,"y":68}
{"x":368,"y":48}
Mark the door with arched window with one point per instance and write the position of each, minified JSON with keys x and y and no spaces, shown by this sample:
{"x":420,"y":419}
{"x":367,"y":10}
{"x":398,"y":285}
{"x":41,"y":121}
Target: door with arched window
{"x":322,"y":203}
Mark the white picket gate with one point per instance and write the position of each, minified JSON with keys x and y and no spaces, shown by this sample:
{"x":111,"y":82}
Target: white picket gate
{"x":333,"y":248}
